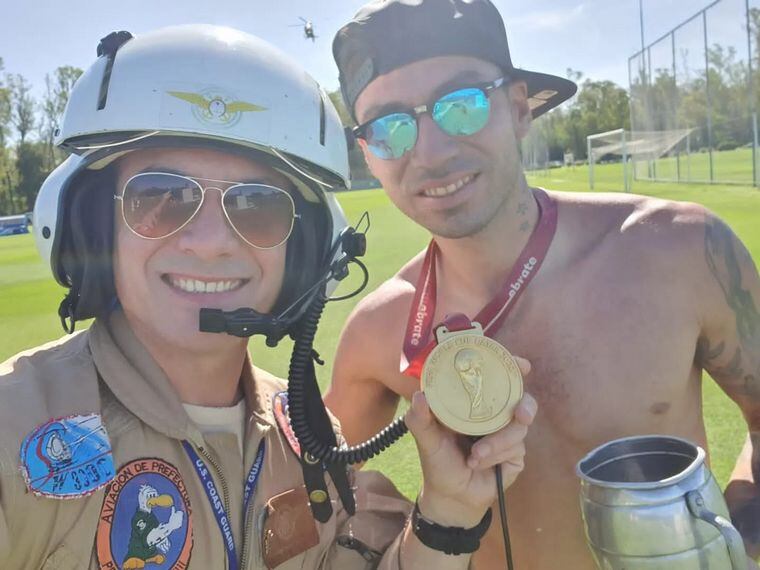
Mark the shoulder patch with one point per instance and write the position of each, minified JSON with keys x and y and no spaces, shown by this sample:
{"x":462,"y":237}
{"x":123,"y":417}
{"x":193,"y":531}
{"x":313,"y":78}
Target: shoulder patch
{"x":145,"y":518}
{"x":280,"y":407}
{"x":67,"y":458}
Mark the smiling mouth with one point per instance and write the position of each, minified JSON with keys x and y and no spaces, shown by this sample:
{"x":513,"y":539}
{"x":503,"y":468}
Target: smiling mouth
{"x":188,"y":285}
{"x":449,"y":189}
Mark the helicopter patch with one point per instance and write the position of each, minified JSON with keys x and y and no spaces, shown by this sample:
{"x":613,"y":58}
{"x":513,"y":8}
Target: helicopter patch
{"x":67,"y":458}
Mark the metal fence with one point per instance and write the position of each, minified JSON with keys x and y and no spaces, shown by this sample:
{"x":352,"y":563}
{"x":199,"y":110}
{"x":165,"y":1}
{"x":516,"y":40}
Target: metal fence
{"x":704,"y":76}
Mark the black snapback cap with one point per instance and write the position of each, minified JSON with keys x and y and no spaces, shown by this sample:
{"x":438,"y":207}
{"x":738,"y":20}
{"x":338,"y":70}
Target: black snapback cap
{"x":387,"y":34}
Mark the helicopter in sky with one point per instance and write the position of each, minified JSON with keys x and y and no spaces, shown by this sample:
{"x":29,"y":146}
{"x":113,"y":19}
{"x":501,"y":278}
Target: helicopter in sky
{"x":308,"y":29}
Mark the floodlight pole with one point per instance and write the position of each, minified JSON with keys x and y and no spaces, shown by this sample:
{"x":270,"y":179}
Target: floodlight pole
{"x":751,"y":82}
{"x":707,"y":97}
{"x":641,"y":18}
{"x":626,"y":187}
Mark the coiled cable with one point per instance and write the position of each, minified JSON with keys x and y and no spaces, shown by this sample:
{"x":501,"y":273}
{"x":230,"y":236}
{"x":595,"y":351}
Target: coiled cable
{"x":300,"y":373}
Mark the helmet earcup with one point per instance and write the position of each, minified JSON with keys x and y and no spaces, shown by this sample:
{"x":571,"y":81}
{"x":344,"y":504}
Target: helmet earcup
{"x":307,"y":252}
{"x":87,"y":244}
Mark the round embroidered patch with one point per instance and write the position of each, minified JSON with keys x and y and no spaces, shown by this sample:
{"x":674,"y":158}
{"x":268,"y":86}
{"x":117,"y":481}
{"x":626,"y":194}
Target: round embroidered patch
{"x":67,"y":457}
{"x":145,"y":518}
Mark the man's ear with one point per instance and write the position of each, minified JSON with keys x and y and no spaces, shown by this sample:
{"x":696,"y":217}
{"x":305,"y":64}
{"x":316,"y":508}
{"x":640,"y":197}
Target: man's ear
{"x":522,"y":117}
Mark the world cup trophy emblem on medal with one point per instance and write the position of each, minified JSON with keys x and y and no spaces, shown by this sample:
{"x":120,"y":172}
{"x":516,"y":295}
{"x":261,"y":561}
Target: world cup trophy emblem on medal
{"x":471,"y":382}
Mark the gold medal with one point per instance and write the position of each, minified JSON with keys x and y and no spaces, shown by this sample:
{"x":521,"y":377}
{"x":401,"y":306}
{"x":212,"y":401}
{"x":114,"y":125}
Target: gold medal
{"x":472,"y":383}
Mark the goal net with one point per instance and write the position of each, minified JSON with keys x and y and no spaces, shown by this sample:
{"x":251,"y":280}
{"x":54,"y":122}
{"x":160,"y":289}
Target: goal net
{"x":637,"y":151}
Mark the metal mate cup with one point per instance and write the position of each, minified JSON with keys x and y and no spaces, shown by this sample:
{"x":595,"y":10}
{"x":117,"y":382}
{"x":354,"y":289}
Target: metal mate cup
{"x":650,"y":502}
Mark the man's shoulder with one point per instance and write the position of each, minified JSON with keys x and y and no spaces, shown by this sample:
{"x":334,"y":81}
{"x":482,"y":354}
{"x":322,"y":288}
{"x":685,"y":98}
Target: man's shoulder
{"x":372,"y":337}
{"x":46,"y":382}
{"x":390,"y":302}
{"x":36,"y":362}
{"x":632,"y":219}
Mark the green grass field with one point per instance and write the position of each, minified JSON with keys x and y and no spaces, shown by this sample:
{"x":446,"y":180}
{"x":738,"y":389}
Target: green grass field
{"x":732,"y":167}
{"x":728,"y":167}
{"x":29,"y":297}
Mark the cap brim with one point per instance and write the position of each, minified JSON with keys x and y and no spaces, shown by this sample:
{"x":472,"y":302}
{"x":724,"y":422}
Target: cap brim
{"x":545,"y":91}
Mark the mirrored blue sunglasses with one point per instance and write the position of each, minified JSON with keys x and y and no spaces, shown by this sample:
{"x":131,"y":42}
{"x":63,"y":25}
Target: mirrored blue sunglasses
{"x":459,"y":113}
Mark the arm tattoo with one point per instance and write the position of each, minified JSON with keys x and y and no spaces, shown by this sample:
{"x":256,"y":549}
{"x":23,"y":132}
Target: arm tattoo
{"x":724,"y":263}
{"x":732,"y":371}
{"x":725,"y":256}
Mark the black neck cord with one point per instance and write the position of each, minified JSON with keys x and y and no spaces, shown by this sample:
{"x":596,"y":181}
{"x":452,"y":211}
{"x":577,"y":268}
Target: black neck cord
{"x":301,"y":375}
{"x":503,"y":516}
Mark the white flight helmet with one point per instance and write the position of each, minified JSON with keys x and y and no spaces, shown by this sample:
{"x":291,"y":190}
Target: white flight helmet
{"x":209,"y":81}
{"x":195,"y":85}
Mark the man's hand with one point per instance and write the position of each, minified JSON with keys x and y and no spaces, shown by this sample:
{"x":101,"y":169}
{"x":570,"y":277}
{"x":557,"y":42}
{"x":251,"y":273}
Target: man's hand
{"x":459,"y":479}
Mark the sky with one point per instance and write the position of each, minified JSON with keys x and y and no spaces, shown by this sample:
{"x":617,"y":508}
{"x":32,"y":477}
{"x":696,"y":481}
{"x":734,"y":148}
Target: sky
{"x":595,"y":37}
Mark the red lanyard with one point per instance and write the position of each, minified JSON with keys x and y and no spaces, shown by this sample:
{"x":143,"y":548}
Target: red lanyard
{"x":417,"y":345}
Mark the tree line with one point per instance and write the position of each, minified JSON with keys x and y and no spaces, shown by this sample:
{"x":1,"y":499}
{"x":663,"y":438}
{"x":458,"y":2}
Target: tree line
{"x":27,"y":131}
{"x":657,"y":101}
{"x":713,"y":95}
{"x":723,"y":92}
{"x":28,"y":126}
{"x":599,"y":106}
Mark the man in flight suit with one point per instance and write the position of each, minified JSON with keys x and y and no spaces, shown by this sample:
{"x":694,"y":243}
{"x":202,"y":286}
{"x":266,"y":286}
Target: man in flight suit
{"x":200,"y":159}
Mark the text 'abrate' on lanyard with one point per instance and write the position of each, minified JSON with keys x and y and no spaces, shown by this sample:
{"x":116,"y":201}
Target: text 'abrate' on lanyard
{"x":417,"y":345}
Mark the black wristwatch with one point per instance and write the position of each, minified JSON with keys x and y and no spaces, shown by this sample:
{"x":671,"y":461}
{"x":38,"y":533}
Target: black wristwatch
{"x":449,"y":539}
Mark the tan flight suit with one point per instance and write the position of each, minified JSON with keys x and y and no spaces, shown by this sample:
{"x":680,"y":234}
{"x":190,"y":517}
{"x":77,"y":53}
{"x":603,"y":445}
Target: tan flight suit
{"x":144,"y":419}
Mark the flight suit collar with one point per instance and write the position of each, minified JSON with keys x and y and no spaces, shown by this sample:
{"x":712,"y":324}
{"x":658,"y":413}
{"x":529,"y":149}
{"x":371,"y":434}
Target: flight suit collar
{"x":136,"y":379}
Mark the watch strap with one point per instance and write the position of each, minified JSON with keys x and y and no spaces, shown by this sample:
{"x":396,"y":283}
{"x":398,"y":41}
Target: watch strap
{"x":453,"y":540}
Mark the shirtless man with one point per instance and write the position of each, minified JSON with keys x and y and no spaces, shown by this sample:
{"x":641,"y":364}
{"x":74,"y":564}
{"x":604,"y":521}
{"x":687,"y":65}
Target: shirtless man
{"x":634,"y":298}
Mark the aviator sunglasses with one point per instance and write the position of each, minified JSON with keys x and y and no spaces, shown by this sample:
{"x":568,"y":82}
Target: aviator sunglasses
{"x":155,"y":205}
{"x":459,"y":113}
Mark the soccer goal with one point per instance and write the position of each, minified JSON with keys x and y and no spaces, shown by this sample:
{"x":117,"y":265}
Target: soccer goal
{"x":637,"y":151}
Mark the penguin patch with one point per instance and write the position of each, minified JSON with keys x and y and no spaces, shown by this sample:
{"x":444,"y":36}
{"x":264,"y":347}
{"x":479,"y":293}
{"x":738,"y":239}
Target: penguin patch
{"x":145,"y":520}
{"x":67,"y":458}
